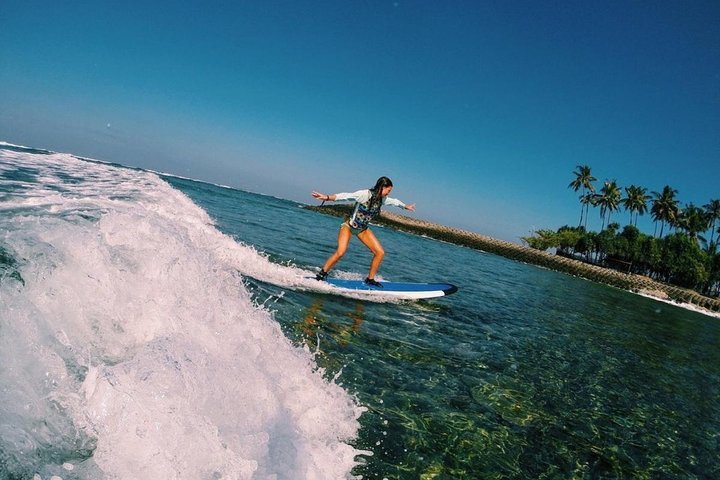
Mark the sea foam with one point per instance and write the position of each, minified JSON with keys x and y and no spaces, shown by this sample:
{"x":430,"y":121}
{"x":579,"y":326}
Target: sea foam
{"x":130,"y":347}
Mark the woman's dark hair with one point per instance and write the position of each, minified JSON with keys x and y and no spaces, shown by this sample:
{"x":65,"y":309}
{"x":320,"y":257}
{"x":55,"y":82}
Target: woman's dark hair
{"x":376,"y":198}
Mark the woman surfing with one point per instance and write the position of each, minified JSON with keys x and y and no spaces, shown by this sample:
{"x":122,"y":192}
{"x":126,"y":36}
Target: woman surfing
{"x":368,"y":204}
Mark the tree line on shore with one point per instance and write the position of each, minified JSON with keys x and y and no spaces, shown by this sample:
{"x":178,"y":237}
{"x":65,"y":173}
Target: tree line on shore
{"x":682,"y":249}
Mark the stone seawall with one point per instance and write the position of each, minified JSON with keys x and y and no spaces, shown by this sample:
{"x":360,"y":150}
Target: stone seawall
{"x":626,"y":281}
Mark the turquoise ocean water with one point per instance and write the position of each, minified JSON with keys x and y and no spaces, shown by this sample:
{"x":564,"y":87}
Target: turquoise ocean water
{"x":159,"y":327}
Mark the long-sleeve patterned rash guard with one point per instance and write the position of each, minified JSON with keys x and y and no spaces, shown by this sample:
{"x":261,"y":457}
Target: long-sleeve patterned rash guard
{"x":362,"y":215}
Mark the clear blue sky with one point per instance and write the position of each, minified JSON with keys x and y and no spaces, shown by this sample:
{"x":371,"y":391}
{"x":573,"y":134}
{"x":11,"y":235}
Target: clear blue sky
{"x":479,"y":111}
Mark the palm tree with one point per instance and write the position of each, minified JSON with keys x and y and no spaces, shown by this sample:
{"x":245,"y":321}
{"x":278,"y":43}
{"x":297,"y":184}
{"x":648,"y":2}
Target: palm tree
{"x":713,"y":211}
{"x":692,"y":220}
{"x":608,"y":199}
{"x":583,"y":180}
{"x":665,"y":207}
{"x":636,"y":202}
{"x":586,"y":200}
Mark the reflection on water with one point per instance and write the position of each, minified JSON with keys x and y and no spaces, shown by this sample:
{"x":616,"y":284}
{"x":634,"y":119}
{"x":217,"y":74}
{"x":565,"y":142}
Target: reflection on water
{"x":340,"y":331}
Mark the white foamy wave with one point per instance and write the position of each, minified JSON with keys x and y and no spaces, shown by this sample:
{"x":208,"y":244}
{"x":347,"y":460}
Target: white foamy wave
{"x":8,"y":144}
{"x":131,"y":348}
{"x":684,"y":305}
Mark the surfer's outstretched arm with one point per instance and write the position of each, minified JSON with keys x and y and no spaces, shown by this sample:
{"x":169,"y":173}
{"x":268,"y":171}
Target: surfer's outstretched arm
{"x":323,"y":197}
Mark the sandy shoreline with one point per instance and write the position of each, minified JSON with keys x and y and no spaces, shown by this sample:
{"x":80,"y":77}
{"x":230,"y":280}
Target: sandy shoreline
{"x":639,"y":284}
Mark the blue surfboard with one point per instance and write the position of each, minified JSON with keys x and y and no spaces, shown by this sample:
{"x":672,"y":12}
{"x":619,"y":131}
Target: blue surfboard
{"x":402,"y":290}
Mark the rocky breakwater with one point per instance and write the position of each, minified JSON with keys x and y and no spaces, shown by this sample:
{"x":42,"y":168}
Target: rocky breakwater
{"x":627,"y":281}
